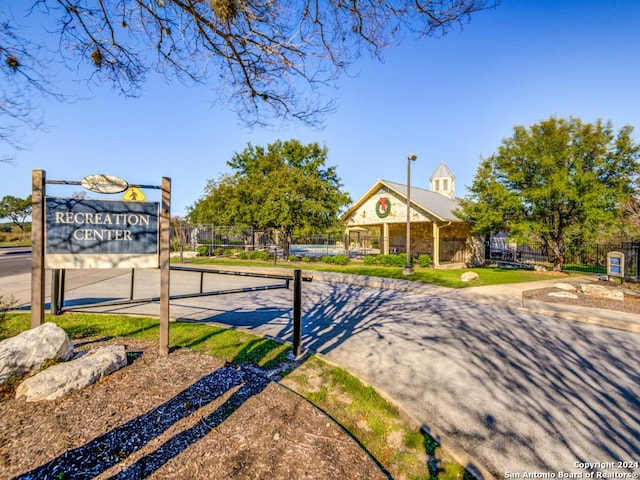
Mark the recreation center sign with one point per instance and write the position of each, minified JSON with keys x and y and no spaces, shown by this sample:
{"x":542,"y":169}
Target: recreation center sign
{"x":70,"y":233}
{"x":89,"y":233}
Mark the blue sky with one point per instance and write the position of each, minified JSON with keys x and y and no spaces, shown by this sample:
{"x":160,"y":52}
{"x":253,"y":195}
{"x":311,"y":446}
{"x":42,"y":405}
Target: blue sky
{"x":451,"y":99}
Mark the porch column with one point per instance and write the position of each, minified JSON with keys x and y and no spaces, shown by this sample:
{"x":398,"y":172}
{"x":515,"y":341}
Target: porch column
{"x":436,"y":244}
{"x":385,"y":238}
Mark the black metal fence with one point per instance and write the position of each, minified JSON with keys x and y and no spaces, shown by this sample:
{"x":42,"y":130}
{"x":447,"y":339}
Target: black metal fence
{"x":214,"y":239}
{"x":210,"y":240}
{"x":317,"y":245}
{"x":585,"y":257}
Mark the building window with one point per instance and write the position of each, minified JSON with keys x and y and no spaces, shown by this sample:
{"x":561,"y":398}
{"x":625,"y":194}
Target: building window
{"x":436,"y":184}
{"x":445,"y":185}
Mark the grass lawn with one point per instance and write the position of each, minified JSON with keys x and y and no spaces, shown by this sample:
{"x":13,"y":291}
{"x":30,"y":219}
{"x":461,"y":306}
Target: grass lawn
{"x":357,"y":407}
{"x":17,"y":243}
{"x":445,"y":278}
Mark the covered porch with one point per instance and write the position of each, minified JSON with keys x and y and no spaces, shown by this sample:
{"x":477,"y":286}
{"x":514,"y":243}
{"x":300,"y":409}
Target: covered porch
{"x":445,"y":243}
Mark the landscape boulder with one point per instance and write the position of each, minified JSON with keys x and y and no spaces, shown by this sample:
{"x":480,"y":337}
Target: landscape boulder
{"x":32,"y":348}
{"x":60,"y":379}
{"x":563,"y":294}
{"x":567,"y":287}
{"x":469,"y":277}
{"x":601,"y":291}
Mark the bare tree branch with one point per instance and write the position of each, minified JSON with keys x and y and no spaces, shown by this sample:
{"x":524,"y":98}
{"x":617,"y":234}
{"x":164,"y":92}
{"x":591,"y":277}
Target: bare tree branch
{"x":270,"y":59}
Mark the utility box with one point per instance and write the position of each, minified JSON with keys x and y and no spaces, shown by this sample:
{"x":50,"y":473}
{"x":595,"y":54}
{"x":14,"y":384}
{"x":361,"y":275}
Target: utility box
{"x":615,"y":264}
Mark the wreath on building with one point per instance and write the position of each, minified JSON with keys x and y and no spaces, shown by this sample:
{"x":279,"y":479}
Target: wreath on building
{"x":383,"y":207}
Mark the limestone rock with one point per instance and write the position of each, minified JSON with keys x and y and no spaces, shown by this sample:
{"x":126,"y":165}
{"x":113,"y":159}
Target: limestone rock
{"x":563,"y":294}
{"x":32,"y":348}
{"x":62,"y":378}
{"x":602,"y":291}
{"x":469,"y":277}
{"x":540,"y":268}
{"x":565,"y":286}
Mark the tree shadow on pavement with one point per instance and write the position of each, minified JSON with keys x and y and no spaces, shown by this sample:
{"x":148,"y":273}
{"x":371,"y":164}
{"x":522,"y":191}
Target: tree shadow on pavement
{"x":516,"y":391}
{"x":547,"y":392}
{"x":513,"y":389}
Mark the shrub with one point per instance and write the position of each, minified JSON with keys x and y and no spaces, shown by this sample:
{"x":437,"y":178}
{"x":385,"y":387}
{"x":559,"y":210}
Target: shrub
{"x":260,"y":255}
{"x":307,"y":259}
{"x":203,"y":250}
{"x":340,"y":260}
{"x":369,"y":260}
{"x":292,"y":258}
{"x":391,"y":260}
{"x":424,"y":260}
{"x":336,"y":259}
{"x":3,"y":238}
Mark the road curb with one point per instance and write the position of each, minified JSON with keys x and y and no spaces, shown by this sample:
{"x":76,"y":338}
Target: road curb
{"x":592,"y":316}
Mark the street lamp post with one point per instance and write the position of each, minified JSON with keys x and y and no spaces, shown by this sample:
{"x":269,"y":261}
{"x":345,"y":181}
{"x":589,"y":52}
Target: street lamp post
{"x":408,"y":269}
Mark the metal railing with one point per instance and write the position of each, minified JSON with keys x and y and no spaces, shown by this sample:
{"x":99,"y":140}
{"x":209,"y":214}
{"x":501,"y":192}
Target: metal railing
{"x":584,"y":257}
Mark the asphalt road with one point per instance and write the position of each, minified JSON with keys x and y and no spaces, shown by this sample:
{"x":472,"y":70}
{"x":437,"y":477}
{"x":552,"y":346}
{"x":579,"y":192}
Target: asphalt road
{"x":14,"y":261}
{"x":512,"y":392}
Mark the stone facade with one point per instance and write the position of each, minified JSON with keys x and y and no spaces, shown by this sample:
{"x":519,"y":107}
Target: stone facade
{"x":378,"y":222}
{"x":367,"y":213}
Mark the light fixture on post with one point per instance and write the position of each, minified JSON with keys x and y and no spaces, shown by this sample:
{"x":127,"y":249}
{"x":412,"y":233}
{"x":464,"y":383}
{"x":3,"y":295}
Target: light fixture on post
{"x":408,"y":268}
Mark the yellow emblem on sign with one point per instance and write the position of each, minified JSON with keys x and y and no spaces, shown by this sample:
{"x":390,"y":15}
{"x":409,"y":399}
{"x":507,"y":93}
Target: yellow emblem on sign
{"x":134,"y":195}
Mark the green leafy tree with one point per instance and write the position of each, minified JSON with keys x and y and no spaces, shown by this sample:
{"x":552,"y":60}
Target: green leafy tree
{"x":17,"y":209}
{"x":560,"y":181}
{"x":284,"y":186}
{"x":632,"y":212}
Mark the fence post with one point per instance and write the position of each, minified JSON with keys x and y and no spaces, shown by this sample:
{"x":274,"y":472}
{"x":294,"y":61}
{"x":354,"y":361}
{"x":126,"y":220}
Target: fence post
{"x":55,"y":291}
{"x":131,"y":286}
{"x":63,"y":276}
{"x":297,"y":312}
{"x":165,"y":230}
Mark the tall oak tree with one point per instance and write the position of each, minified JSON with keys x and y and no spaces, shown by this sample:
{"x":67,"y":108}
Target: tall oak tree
{"x":560,"y":182}
{"x":285,"y":186}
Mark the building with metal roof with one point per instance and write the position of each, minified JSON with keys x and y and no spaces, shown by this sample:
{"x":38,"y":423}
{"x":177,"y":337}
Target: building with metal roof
{"x":376,"y":222}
